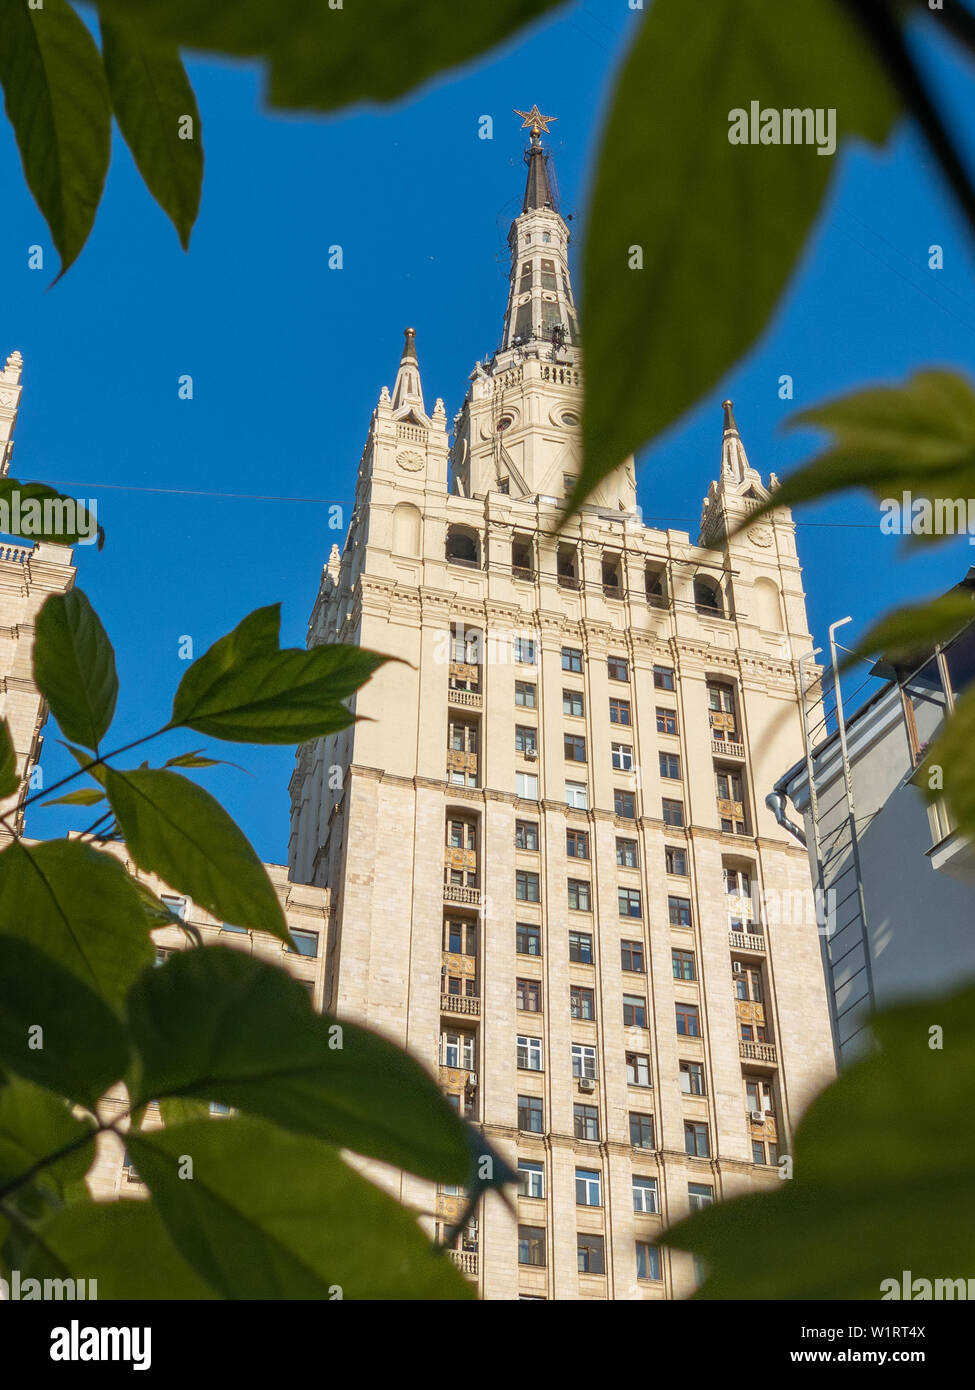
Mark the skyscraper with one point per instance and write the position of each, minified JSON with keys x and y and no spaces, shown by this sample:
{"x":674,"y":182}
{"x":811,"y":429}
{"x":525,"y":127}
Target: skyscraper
{"x":552,"y":872}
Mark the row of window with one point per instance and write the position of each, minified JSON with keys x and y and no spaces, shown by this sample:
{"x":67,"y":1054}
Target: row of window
{"x":582,"y":1006}
{"x":577,"y":846}
{"x":590,"y":1252}
{"x":588,"y":1181}
{"x":582,"y":1003}
{"x":629,"y":900}
{"x":585,"y":1125}
{"x":573,"y":705}
{"x":305,"y":942}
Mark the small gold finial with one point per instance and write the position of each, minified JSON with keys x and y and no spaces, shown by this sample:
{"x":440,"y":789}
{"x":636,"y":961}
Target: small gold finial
{"x":535,"y":121}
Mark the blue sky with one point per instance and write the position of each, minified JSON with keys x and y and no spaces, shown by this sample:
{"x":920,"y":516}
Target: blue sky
{"x":287,"y":357}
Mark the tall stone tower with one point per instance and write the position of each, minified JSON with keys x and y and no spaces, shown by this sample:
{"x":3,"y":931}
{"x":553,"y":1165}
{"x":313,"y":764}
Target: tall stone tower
{"x":28,"y":574}
{"x":553,"y":873}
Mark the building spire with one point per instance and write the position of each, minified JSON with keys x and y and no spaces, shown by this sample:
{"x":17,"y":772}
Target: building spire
{"x":408,"y":390}
{"x":541,"y":309}
{"x":734,"y":460}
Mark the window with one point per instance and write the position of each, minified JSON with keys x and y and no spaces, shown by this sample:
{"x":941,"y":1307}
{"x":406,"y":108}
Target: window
{"x":618,"y":668}
{"x":587,"y":1188}
{"x":624,"y":804}
{"x":306,"y":942}
{"x":229,"y":926}
{"x":531,"y":1178}
{"x":760,"y":1150}
{"x":663,"y":678}
{"x":461,"y":834}
{"x":619,"y":712}
{"x":679,"y":912}
{"x":526,"y":694}
{"x":460,"y":937}
{"x":692,"y":1078}
{"x":530,"y":1114}
{"x":579,"y":895}
{"x":737,"y":883}
{"x":637,"y":1069}
{"x":634,"y":1011}
{"x":626,"y":854}
{"x":577,"y":844}
{"x":572,"y":659}
{"x":647,"y":1260}
{"x":526,"y":786}
{"x":622,"y":757}
{"x":641,"y":1130}
{"x":577,"y":796}
{"x":528,"y":939}
{"x":574,"y":747}
{"x":688,"y":1021}
{"x":721,"y":698}
{"x":673,"y":813}
{"x":526,"y":834}
{"x":758,"y":1096}
{"x":748,"y":982}
{"x":462,"y":736}
{"x":580,"y":947}
{"x":161,"y":955}
{"x":666,"y":721}
{"x":632,"y":956}
{"x":528,"y":994}
{"x":585,"y":1122}
{"x":526,"y":739}
{"x":670,"y":766}
{"x":645,"y":1195}
{"x":217,"y":1109}
{"x":700,"y":1194}
{"x":696,"y":1140}
{"x":590,"y":1251}
{"x":529,"y":1053}
{"x":526,"y":886}
{"x":629,"y":902}
{"x":676,"y":860}
{"x":531,"y":1245}
{"x":572,"y":703}
{"x":457,"y":1050}
{"x":504,"y":485}
{"x":683,"y":965}
{"x":584,"y":1061}
{"x":729,"y":786}
{"x":177,"y":906}
{"x":582,"y":1002}
{"x":524,"y":651}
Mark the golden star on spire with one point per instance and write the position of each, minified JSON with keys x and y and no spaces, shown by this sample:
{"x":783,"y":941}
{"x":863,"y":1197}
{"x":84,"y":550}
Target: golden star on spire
{"x":534,"y":120}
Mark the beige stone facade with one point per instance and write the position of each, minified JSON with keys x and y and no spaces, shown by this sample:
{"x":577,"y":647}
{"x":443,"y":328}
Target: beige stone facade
{"x":553,"y":874}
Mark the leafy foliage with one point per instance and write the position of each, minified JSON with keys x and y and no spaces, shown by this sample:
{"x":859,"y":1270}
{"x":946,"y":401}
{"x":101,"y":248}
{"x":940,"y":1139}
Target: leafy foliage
{"x":36,"y":504}
{"x":273,"y":1209}
{"x":9,"y":781}
{"x":882,"y":1176}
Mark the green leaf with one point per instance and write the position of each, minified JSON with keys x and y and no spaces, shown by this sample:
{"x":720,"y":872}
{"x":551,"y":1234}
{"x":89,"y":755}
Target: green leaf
{"x":917,"y":438}
{"x":192,"y":760}
{"x":949,"y":769}
{"x":177,"y":1110}
{"x":152,"y":98}
{"x":34,"y":1125}
{"x":80,"y":908}
{"x":219,"y":1025}
{"x":882,"y":1176}
{"x":84,"y":796}
{"x":37,"y":512}
{"x":57,"y":102}
{"x":177,"y":830}
{"x":913,"y":632}
{"x":9,"y":781}
{"x":274,"y":1215}
{"x":720,"y":226}
{"x":123,"y":1246}
{"x":74,"y":667}
{"x":85,"y":762}
{"x":54,"y":1030}
{"x":323,"y":58}
{"x":247,"y":689}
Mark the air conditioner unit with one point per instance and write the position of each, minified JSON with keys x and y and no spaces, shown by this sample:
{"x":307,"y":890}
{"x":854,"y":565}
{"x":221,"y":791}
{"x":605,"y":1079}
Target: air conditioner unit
{"x":531,"y":754}
{"x":472,"y":1078}
{"x":737,"y":967}
{"x":758,"y":1117}
{"x":586,"y":1083}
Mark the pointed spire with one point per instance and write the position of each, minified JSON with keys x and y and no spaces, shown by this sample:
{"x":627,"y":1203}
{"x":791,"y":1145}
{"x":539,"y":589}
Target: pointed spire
{"x":734,"y":460}
{"x":729,"y":416}
{"x":538,"y":188}
{"x":408,"y":390}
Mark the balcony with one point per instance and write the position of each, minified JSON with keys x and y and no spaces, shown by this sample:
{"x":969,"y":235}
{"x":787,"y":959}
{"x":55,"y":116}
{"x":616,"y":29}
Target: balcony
{"x":465,"y":1260}
{"x":522,"y":572}
{"x":453,"y":894}
{"x":569,"y":581}
{"x":746,"y":941}
{"x":728,"y":748}
{"x":465,"y":699}
{"x":758,"y":1052}
{"x":460,"y":1004}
